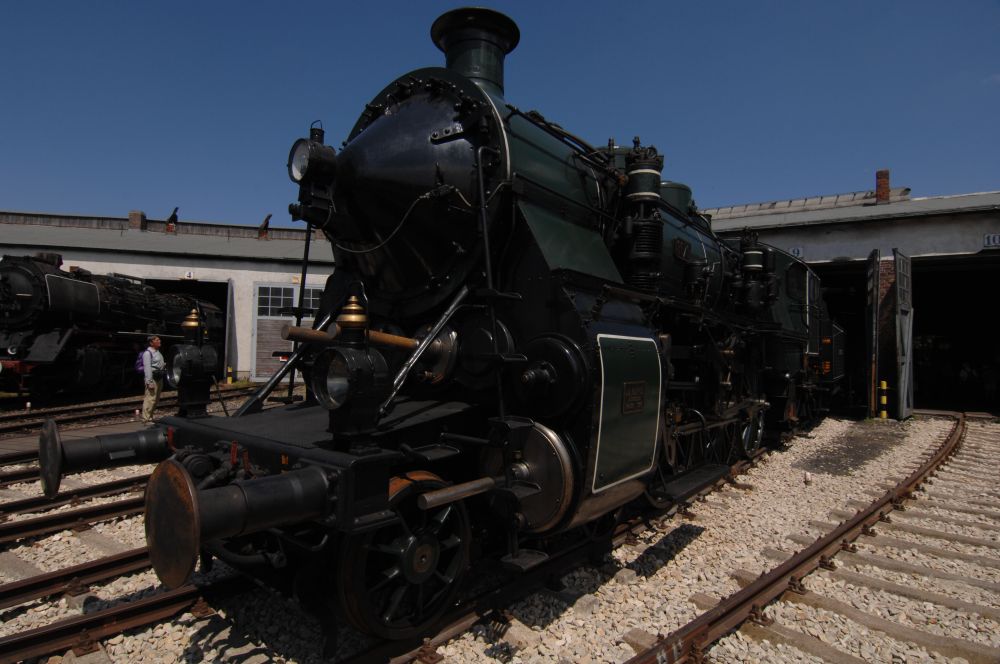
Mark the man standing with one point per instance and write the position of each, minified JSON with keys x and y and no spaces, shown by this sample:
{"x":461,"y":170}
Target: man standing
{"x":152,"y":369}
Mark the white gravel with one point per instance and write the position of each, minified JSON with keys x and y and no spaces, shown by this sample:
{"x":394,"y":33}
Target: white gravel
{"x":941,"y":542}
{"x":971,"y":570}
{"x":130,"y":531}
{"x":925,"y":616}
{"x":677,"y":559}
{"x":849,"y":636}
{"x":54,"y":552}
{"x":737,"y":648}
{"x":644,"y":586}
{"x":967,"y":591}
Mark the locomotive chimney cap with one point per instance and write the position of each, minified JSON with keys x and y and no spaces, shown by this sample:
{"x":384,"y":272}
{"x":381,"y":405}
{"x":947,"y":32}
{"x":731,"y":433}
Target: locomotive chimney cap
{"x":475,"y":23}
{"x":475,"y":41}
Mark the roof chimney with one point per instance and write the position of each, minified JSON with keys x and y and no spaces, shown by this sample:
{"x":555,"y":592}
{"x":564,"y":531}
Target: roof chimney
{"x":475,"y":41}
{"x":137,"y":220}
{"x":882,"y":186}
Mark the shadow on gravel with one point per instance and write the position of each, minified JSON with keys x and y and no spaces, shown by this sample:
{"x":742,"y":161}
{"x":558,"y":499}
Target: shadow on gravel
{"x":864,"y":441}
{"x":665,"y":549}
{"x":580,"y":586}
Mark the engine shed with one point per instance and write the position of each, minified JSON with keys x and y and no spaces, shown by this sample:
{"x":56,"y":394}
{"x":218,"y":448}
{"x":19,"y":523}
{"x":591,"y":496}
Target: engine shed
{"x":909,"y":279}
{"x":253,"y":273}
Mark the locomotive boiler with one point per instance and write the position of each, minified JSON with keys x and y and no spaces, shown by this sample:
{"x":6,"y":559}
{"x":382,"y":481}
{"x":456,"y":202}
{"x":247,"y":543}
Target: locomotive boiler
{"x":77,"y":331}
{"x":524,"y":333}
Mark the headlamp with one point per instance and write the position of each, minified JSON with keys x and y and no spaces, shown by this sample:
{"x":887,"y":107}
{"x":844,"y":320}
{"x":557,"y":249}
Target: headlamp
{"x":310,"y":159}
{"x":189,"y":362}
{"x":349,"y":375}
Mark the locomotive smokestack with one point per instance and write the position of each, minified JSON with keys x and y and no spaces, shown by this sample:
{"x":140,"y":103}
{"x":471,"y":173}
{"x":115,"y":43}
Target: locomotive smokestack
{"x":475,"y":41}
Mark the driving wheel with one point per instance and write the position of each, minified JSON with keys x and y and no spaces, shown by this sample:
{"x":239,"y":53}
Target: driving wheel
{"x":398,"y":580}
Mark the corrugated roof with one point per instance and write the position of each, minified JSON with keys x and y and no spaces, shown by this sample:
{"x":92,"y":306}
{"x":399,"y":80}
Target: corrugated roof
{"x":802,"y":204}
{"x":113,"y":235}
{"x":916,"y":207}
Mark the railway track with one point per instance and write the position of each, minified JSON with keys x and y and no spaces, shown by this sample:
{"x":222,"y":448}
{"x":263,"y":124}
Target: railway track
{"x":22,"y":422}
{"x":134,"y":484}
{"x":488,"y":607}
{"x":80,"y":633}
{"x":828,"y":555}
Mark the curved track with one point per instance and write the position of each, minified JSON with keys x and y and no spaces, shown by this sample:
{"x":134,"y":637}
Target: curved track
{"x":489,"y":605}
{"x":832,"y":550}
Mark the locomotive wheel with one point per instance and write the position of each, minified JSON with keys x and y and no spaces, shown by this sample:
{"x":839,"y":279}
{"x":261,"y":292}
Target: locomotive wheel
{"x":752,"y":434}
{"x":397,"y":581}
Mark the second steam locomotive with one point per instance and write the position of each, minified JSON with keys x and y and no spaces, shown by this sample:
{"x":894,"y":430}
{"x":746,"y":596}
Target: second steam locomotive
{"x":524,"y":334}
{"x":75,"y":331}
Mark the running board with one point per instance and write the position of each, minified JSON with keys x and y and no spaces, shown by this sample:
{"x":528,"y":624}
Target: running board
{"x":691,"y":482}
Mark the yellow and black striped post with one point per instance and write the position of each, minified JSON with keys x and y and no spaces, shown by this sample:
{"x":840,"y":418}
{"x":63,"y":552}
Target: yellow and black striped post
{"x":883,"y":399}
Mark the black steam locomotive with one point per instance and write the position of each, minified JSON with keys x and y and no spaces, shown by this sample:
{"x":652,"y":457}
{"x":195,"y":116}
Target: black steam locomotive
{"x":524,"y":334}
{"x":73,"y":331}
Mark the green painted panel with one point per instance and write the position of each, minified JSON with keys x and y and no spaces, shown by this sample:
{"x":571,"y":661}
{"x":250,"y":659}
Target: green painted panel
{"x":630,"y":408}
{"x":566,"y":245}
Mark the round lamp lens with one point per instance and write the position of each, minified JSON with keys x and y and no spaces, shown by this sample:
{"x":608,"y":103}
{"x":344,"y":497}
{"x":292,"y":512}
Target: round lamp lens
{"x":298,"y":160}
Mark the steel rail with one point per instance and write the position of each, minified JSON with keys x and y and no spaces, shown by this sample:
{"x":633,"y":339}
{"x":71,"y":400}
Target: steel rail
{"x":75,"y":579}
{"x":41,"y":503}
{"x":92,"y":412}
{"x":17,"y":476}
{"x":18,"y":456}
{"x":124,"y":401}
{"x":82,"y":632}
{"x":53,"y":523}
{"x":689,"y":642}
{"x":85,"y":630}
{"x":490,"y":604}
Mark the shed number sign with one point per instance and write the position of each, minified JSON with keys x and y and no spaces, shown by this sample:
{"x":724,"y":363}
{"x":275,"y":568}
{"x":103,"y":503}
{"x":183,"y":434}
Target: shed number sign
{"x":991,"y":241}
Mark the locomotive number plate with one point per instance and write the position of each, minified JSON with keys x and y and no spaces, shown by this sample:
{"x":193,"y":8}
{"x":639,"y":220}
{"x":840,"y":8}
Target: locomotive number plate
{"x":633,"y":397}
{"x":629,"y":416}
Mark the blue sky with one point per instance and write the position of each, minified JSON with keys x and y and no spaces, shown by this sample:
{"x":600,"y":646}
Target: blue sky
{"x":111,"y":106}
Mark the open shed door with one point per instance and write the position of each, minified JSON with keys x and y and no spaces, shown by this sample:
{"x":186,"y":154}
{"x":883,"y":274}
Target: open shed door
{"x":904,"y":335}
{"x":871,"y":330}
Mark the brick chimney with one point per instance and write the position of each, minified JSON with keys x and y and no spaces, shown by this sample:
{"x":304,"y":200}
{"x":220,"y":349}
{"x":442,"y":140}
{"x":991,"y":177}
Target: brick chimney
{"x":882,"y":186}
{"x":137,"y":220}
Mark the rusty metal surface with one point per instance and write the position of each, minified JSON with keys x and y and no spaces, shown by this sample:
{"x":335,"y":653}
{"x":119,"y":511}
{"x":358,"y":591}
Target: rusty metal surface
{"x":82,"y":630}
{"x":53,"y":523}
{"x":64,"y":580}
{"x":173,"y":523}
{"x":50,"y":458}
{"x":24,"y":422}
{"x":688,"y":642}
{"x":9,"y":477}
{"x":22,"y":456}
{"x":41,"y":503}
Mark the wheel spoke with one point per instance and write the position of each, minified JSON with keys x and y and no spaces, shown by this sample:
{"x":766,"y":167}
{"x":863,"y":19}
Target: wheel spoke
{"x":378,"y":594}
{"x":420,"y":599}
{"x":438,"y":521}
{"x":388,"y":575}
{"x":386,"y":549}
{"x":394,"y":602}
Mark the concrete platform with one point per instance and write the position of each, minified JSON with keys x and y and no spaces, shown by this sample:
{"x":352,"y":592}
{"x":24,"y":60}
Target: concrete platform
{"x":30,"y":442}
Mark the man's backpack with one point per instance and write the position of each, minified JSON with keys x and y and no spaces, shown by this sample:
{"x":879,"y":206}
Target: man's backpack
{"x":139,"y":368}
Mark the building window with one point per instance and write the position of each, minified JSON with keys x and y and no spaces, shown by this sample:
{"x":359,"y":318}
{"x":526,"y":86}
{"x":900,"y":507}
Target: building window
{"x":312,"y":299}
{"x":272,"y":299}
